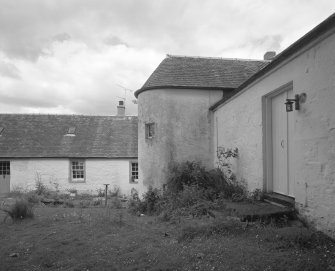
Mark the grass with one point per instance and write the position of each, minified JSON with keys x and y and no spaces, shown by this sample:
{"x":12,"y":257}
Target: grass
{"x":112,"y":239}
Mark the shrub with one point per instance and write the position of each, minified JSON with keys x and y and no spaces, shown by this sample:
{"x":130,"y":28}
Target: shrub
{"x":186,"y":174}
{"x":150,"y":200}
{"x":148,"y":205}
{"x":212,"y":183}
{"x":21,"y":209}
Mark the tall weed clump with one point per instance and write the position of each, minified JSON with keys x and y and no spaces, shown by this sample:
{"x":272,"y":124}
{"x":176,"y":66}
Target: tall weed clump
{"x":21,"y":209}
{"x":192,"y":190}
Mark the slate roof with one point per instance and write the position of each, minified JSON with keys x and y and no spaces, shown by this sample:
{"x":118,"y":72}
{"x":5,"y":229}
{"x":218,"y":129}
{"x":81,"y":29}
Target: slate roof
{"x":201,"y":72}
{"x":31,"y":135}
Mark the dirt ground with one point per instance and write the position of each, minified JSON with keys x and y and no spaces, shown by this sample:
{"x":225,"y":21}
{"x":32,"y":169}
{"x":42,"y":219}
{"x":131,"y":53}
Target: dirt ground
{"x":112,"y":239}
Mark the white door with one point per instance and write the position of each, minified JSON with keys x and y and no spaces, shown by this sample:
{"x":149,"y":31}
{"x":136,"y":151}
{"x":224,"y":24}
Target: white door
{"x":282,"y":128}
{"x":4,"y":177}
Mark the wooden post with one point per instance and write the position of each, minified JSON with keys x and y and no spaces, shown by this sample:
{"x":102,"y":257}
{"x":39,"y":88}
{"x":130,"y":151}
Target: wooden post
{"x":106,"y":189}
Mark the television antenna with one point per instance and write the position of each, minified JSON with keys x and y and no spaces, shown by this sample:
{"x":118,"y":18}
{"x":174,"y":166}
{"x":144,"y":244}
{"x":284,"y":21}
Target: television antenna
{"x":125,"y":93}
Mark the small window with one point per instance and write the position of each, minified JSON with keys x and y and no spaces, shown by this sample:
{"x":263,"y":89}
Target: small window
{"x":134,"y":172}
{"x":4,"y":168}
{"x":71,"y":131}
{"x":77,"y":171}
{"x":1,"y":130}
{"x":149,"y":130}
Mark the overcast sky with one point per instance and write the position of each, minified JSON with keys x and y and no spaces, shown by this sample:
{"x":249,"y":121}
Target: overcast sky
{"x":77,"y":56}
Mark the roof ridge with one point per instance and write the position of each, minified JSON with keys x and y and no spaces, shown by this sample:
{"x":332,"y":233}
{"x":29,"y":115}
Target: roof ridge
{"x":211,"y":57}
{"x":77,"y":115}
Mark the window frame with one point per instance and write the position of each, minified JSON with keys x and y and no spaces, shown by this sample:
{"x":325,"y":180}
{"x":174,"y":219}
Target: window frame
{"x":131,"y":179}
{"x":150,"y":130}
{"x":4,"y":168}
{"x":77,"y":180}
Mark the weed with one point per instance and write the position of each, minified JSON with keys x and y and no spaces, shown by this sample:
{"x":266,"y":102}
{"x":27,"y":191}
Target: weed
{"x":115,"y":192}
{"x":32,"y":197}
{"x":40,"y":188}
{"x":101,"y":192}
{"x":16,"y":191}
{"x":21,"y":209}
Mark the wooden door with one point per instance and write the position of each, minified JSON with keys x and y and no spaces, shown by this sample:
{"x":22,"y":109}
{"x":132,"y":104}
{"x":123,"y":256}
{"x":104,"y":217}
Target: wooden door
{"x":282,"y":155}
{"x":4,"y":177}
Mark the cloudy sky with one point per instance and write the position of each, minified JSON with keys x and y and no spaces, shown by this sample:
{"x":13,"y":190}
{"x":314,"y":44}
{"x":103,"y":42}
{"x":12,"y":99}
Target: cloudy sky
{"x":81,"y":56}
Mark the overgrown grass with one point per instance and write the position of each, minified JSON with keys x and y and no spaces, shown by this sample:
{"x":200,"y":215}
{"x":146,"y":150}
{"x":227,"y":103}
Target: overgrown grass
{"x":219,"y":227}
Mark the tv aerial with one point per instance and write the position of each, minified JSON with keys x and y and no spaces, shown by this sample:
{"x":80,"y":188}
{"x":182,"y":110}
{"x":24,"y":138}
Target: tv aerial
{"x":125,"y":93}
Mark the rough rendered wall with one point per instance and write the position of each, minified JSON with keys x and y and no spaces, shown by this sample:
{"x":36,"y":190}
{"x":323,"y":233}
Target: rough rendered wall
{"x":182,"y":130}
{"x":25,"y":172}
{"x":240,"y":125}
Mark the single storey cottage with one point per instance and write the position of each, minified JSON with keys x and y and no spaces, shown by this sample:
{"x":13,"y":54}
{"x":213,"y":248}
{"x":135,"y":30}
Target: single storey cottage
{"x":68,"y":152}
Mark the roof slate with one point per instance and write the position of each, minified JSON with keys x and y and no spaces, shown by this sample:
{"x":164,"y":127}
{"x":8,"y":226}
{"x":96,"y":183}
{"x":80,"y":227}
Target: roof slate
{"x":201,"y":72}
{"x":45,"y":136}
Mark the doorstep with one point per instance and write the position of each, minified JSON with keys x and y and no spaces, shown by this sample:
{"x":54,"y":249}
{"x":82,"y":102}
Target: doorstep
{"x":279,"y":200}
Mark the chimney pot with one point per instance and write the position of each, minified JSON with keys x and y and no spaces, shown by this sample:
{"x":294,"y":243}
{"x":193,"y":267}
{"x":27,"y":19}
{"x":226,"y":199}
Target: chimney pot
{"x":121,"y":109}
{"x":269,"y":55}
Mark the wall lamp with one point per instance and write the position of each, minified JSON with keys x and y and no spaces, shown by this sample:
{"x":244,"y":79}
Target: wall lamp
{"x":299,"y":98}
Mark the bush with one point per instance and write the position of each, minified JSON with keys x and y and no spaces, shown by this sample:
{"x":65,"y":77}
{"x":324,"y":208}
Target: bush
{"x":21,"y":209}
{"x":212,"y":183}
{"x":148,"y":205}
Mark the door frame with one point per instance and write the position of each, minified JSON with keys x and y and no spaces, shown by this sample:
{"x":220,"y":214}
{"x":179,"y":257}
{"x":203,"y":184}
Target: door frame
{"x":267,"y":135}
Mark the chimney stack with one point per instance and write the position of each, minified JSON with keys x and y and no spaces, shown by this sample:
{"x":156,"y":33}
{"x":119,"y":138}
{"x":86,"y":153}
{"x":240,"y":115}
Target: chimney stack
{"x":269,"y":55}
{"x":121,"y":109}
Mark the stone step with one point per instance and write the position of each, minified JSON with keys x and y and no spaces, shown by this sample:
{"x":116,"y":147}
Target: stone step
{"x":279,"y":200}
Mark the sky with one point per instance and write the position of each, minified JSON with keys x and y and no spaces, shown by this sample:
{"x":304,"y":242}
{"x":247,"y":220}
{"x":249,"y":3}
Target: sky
{"x":83,"y":56}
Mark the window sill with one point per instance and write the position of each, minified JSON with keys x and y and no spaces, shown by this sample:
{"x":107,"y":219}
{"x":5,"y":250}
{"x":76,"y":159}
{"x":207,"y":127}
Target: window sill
{"x":77,"y":181}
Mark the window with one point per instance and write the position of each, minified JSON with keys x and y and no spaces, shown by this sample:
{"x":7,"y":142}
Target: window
{"x":134,"y":172}
{"x":71,"y":131}
{"x":1,"y":130}
{"x":4,"y":168}
{"x":77,"y":171}
{"x":149,"y":130}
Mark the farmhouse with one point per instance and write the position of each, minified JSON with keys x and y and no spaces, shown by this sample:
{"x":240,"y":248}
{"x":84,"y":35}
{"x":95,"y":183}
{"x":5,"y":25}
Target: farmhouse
{"x":279,"y":114}
{"x":68,"y":152}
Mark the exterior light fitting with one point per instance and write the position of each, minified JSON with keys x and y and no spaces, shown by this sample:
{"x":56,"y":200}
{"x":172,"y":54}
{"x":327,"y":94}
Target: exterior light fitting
{"x":298,"y":99}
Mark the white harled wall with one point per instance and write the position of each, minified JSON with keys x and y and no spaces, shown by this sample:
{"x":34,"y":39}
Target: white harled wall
{"x":183,"y":130}
{"x":56,"y":171}
{"x":238,"y":123}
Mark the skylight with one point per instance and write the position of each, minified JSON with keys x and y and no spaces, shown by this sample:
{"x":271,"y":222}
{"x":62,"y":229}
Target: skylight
{"x":71,"y":131}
